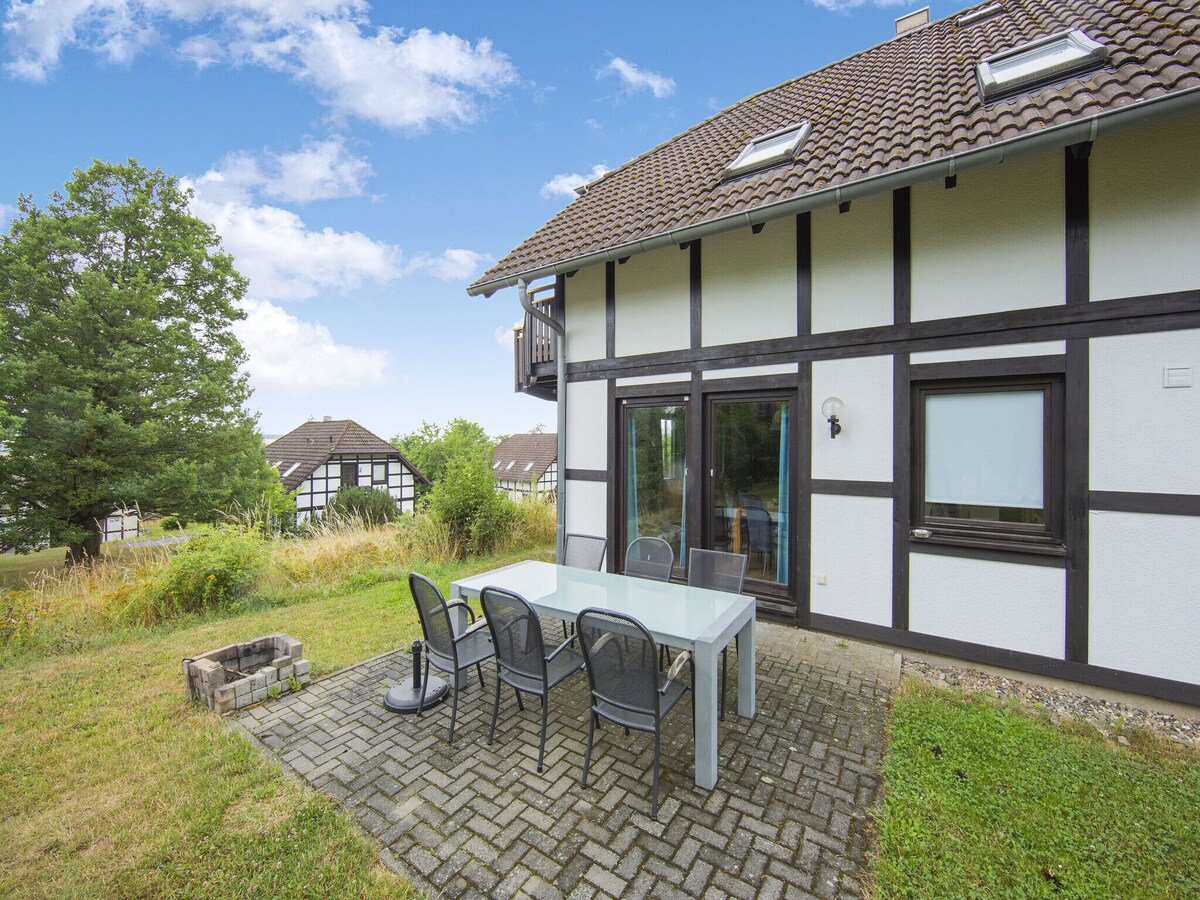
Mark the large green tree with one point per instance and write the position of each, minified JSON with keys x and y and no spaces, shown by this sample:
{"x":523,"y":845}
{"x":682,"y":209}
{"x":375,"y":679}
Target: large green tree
{"x":433,"y":449}
{"x":119,"y":371}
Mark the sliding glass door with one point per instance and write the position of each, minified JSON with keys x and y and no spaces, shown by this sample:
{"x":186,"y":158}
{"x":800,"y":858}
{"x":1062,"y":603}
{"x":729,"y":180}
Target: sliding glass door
{"x":749,"y":482}
{"x":655,"y":501}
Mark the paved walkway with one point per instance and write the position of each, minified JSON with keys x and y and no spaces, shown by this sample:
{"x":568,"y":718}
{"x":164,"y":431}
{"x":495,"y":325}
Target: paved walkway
{"x":788,"y":817}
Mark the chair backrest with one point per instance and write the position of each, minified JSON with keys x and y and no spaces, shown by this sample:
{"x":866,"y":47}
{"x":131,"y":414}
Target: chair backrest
{"x":585,"y":551}
{"x":435,"y":618}
{"x":758,"y":524}
{"x":516,"y":632}
{"x":621,"y":659}
{"x":717,"y":570}
{"x":649,"y":557}
{"x":745,"y":498}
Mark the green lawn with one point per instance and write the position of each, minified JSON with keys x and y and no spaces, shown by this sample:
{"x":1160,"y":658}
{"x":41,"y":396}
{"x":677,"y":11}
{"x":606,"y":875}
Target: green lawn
{"x":112,"y":783}
{"x":984,"y":801}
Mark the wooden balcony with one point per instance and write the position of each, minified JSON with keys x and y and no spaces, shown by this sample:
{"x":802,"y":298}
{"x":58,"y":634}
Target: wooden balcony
{"x":534,"y":347}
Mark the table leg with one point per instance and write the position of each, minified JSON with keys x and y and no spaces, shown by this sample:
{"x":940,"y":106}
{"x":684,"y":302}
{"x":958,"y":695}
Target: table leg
{"x":746,"y":669}
{"x":706,"y":716}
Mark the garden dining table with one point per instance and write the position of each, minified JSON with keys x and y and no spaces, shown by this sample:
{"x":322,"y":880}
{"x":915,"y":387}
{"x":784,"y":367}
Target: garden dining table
{"x":696,"y":619}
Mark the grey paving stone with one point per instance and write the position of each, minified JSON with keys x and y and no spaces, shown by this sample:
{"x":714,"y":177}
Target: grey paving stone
{"x":788,"y":817}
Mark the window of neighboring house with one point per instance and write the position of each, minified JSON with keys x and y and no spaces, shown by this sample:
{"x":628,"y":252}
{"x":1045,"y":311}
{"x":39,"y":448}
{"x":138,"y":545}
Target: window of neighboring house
{"x":379,"y":473}
{"x":988,"y":462}
{"x":349,"y":474}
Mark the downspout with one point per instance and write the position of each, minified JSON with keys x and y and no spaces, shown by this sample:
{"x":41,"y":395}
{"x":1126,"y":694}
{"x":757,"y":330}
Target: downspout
{"x":560,"y":367}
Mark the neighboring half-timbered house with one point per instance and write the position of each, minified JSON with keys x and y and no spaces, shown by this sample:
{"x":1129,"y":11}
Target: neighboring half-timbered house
{"x":318,"y":458}
{"x":919,"y":332}
{"x":527,"y":465}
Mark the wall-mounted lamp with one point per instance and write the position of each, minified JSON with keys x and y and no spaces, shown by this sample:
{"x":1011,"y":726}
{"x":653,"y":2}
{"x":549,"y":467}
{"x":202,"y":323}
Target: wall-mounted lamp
{"x":831,"y":409}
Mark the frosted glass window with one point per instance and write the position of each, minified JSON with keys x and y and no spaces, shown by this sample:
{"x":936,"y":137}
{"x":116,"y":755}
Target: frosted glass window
{"x":985,"y":449}
{"x":1039,"y":62}
{"x":770,"y":149}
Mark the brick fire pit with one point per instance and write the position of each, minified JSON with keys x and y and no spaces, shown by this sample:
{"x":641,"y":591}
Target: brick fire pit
{"x":241,"y":674}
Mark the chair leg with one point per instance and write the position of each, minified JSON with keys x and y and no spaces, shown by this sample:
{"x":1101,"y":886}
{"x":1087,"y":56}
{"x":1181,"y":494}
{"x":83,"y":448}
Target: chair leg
{"x":495,"y":708}
{"x":454,"y":710}
{"x":479,"y":669}
{"x":587,"y":755}
{"x":424,"y":685}
{"x":654,"y":800}
{"x":520,"y":702}
{"x":542,"y":745}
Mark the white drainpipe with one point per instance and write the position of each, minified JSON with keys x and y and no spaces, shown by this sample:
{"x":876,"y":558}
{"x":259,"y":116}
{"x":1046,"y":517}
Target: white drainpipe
{"x":560,"y":367}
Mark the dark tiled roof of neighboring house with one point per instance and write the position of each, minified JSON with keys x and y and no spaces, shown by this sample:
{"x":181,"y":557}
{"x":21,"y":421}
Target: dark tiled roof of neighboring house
{"x":523,"y":457}
{"x":301,"y":450}
{"x":910,"y":101}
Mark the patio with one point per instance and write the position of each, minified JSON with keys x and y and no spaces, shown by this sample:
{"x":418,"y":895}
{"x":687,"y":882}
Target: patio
{"x":788,"y":817}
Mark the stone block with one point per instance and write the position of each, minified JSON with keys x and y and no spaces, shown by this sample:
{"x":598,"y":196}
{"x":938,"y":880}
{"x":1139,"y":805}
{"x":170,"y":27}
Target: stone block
{"x":285,"y":672}
{"x":293,"y":648}
{"x":301,"y":669}
{"x":271,"y":676}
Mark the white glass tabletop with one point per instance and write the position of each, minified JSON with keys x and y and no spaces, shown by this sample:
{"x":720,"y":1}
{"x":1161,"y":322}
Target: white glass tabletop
{"x":677,"y":611}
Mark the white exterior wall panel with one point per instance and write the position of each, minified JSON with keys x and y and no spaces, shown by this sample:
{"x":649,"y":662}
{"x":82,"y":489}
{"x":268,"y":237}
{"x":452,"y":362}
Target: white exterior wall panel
{"x":863,"y":451}
{"x":585,"y":328}
{"x":652,"y":301}
{"x":1145,"y":594}
{"x":998,"y":351}
{"x":852,"y":551}
{"x":587,"y":508}
{"x":1145,"y":211}
{"x":1144,"y":436}
{"x":749,"y":284}
{"x":750,"y":372}
{"x":852,"y":265}
{"x":998,"y":604}
{"x":587,"y":425}
{"x":993,"y":243}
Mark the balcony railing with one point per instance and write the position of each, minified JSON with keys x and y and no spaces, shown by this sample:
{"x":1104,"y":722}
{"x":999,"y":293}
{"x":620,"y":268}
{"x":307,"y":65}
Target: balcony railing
{"x":534,"y":346}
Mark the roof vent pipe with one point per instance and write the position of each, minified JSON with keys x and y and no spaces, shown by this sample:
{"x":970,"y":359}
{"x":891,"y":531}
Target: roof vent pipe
{"x":913,"y":20}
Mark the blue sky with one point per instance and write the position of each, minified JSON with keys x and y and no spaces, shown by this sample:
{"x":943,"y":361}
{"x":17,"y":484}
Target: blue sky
{"x":363,"y":162}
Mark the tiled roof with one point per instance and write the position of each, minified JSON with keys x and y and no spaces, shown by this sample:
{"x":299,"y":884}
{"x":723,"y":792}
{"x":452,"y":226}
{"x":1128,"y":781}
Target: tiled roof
{"x":538,"y":451}
{"x":313,"y":443}
{"x":909,"y":101}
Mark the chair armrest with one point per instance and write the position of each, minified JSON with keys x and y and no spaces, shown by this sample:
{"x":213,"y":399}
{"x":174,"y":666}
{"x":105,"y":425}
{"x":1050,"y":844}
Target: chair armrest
{"x":471,"y":629}
{"x":464,"y":605}
{"x":683,"y":659}
{"x":563,"y":646}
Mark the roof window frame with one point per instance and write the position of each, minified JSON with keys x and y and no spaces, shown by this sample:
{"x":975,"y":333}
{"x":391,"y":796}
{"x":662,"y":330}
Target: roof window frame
{"x":746,"y":163}
{"x":993,"y":85}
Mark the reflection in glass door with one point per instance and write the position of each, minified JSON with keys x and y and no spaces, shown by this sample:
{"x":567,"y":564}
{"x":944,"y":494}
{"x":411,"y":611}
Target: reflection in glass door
{"x":750,"y":483}
{"x":655,"y":474}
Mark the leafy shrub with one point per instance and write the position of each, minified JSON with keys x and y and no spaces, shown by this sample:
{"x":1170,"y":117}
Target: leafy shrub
{"x":174,"y":523}
{"x":362,"y":505}
{"x":466,"y":501}
{"x":211,"y":571}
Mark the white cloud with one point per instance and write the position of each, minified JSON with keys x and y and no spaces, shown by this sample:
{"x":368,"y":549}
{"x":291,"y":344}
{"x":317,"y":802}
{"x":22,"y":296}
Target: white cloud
{"x":564,"y":185}
{"x":454,"y":264}
{"x":287,"y":355}
{"x":505,"y":337}
{"x":635,"y":78}
{"x":396,"y":78}
{"x":6,"y":214}
{"x":319,"y":170}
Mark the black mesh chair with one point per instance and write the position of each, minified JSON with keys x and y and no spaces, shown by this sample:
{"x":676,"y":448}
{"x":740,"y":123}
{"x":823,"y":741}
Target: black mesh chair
{"x":521,"y":658}
{"x":626,"y":686}
{"x":585,"y":551}
{"x":758,"y":531}
{"x":451,"y":653}
{"x":649,"y":557}
{"x":718,"y":571}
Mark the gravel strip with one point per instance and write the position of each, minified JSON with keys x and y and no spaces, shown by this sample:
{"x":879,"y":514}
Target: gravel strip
{"x":1108,"y":716}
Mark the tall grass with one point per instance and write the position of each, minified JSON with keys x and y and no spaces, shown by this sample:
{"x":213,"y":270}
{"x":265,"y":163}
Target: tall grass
{"x":233,"y":568}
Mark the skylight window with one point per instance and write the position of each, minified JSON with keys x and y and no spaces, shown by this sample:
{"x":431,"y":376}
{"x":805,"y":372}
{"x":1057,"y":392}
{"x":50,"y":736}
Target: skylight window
{"x":1038,"y":63}
{"x":291,"y":469}
{"x":528,"y":466}
{"x":770,"y":149}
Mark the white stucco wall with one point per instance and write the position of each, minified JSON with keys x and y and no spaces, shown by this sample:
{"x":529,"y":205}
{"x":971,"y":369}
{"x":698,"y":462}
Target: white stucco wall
{"x":1144,"y":585}
{"x":587,"y":425}
{"x":852,"y":265}
{"x":1000,"y":604}
{"x":674,"y":377}
{"x":999,"y":351}
{"x":748,"y":284}
{"x":585,"y":314}
{"x":652,"y":305}
{"x":863,"y":451}
{"x":993,"y":243}
{"x":1144,"y":437}
{"x":852,"y":551}
{"x":586,"y":507}
{"x":1145,"y":211}
{"x":750,"y":371}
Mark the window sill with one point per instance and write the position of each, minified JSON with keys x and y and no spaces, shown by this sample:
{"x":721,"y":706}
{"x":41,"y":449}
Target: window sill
{"x":995,"y":549}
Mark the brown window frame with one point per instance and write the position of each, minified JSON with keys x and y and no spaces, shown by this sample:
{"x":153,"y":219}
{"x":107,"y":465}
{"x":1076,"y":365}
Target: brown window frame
{"x":1044,"y":539}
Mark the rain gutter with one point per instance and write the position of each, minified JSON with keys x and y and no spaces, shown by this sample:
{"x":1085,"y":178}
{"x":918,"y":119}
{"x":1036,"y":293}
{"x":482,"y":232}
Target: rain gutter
{"x":560,"y":367}
{"x":1141,"y":112}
